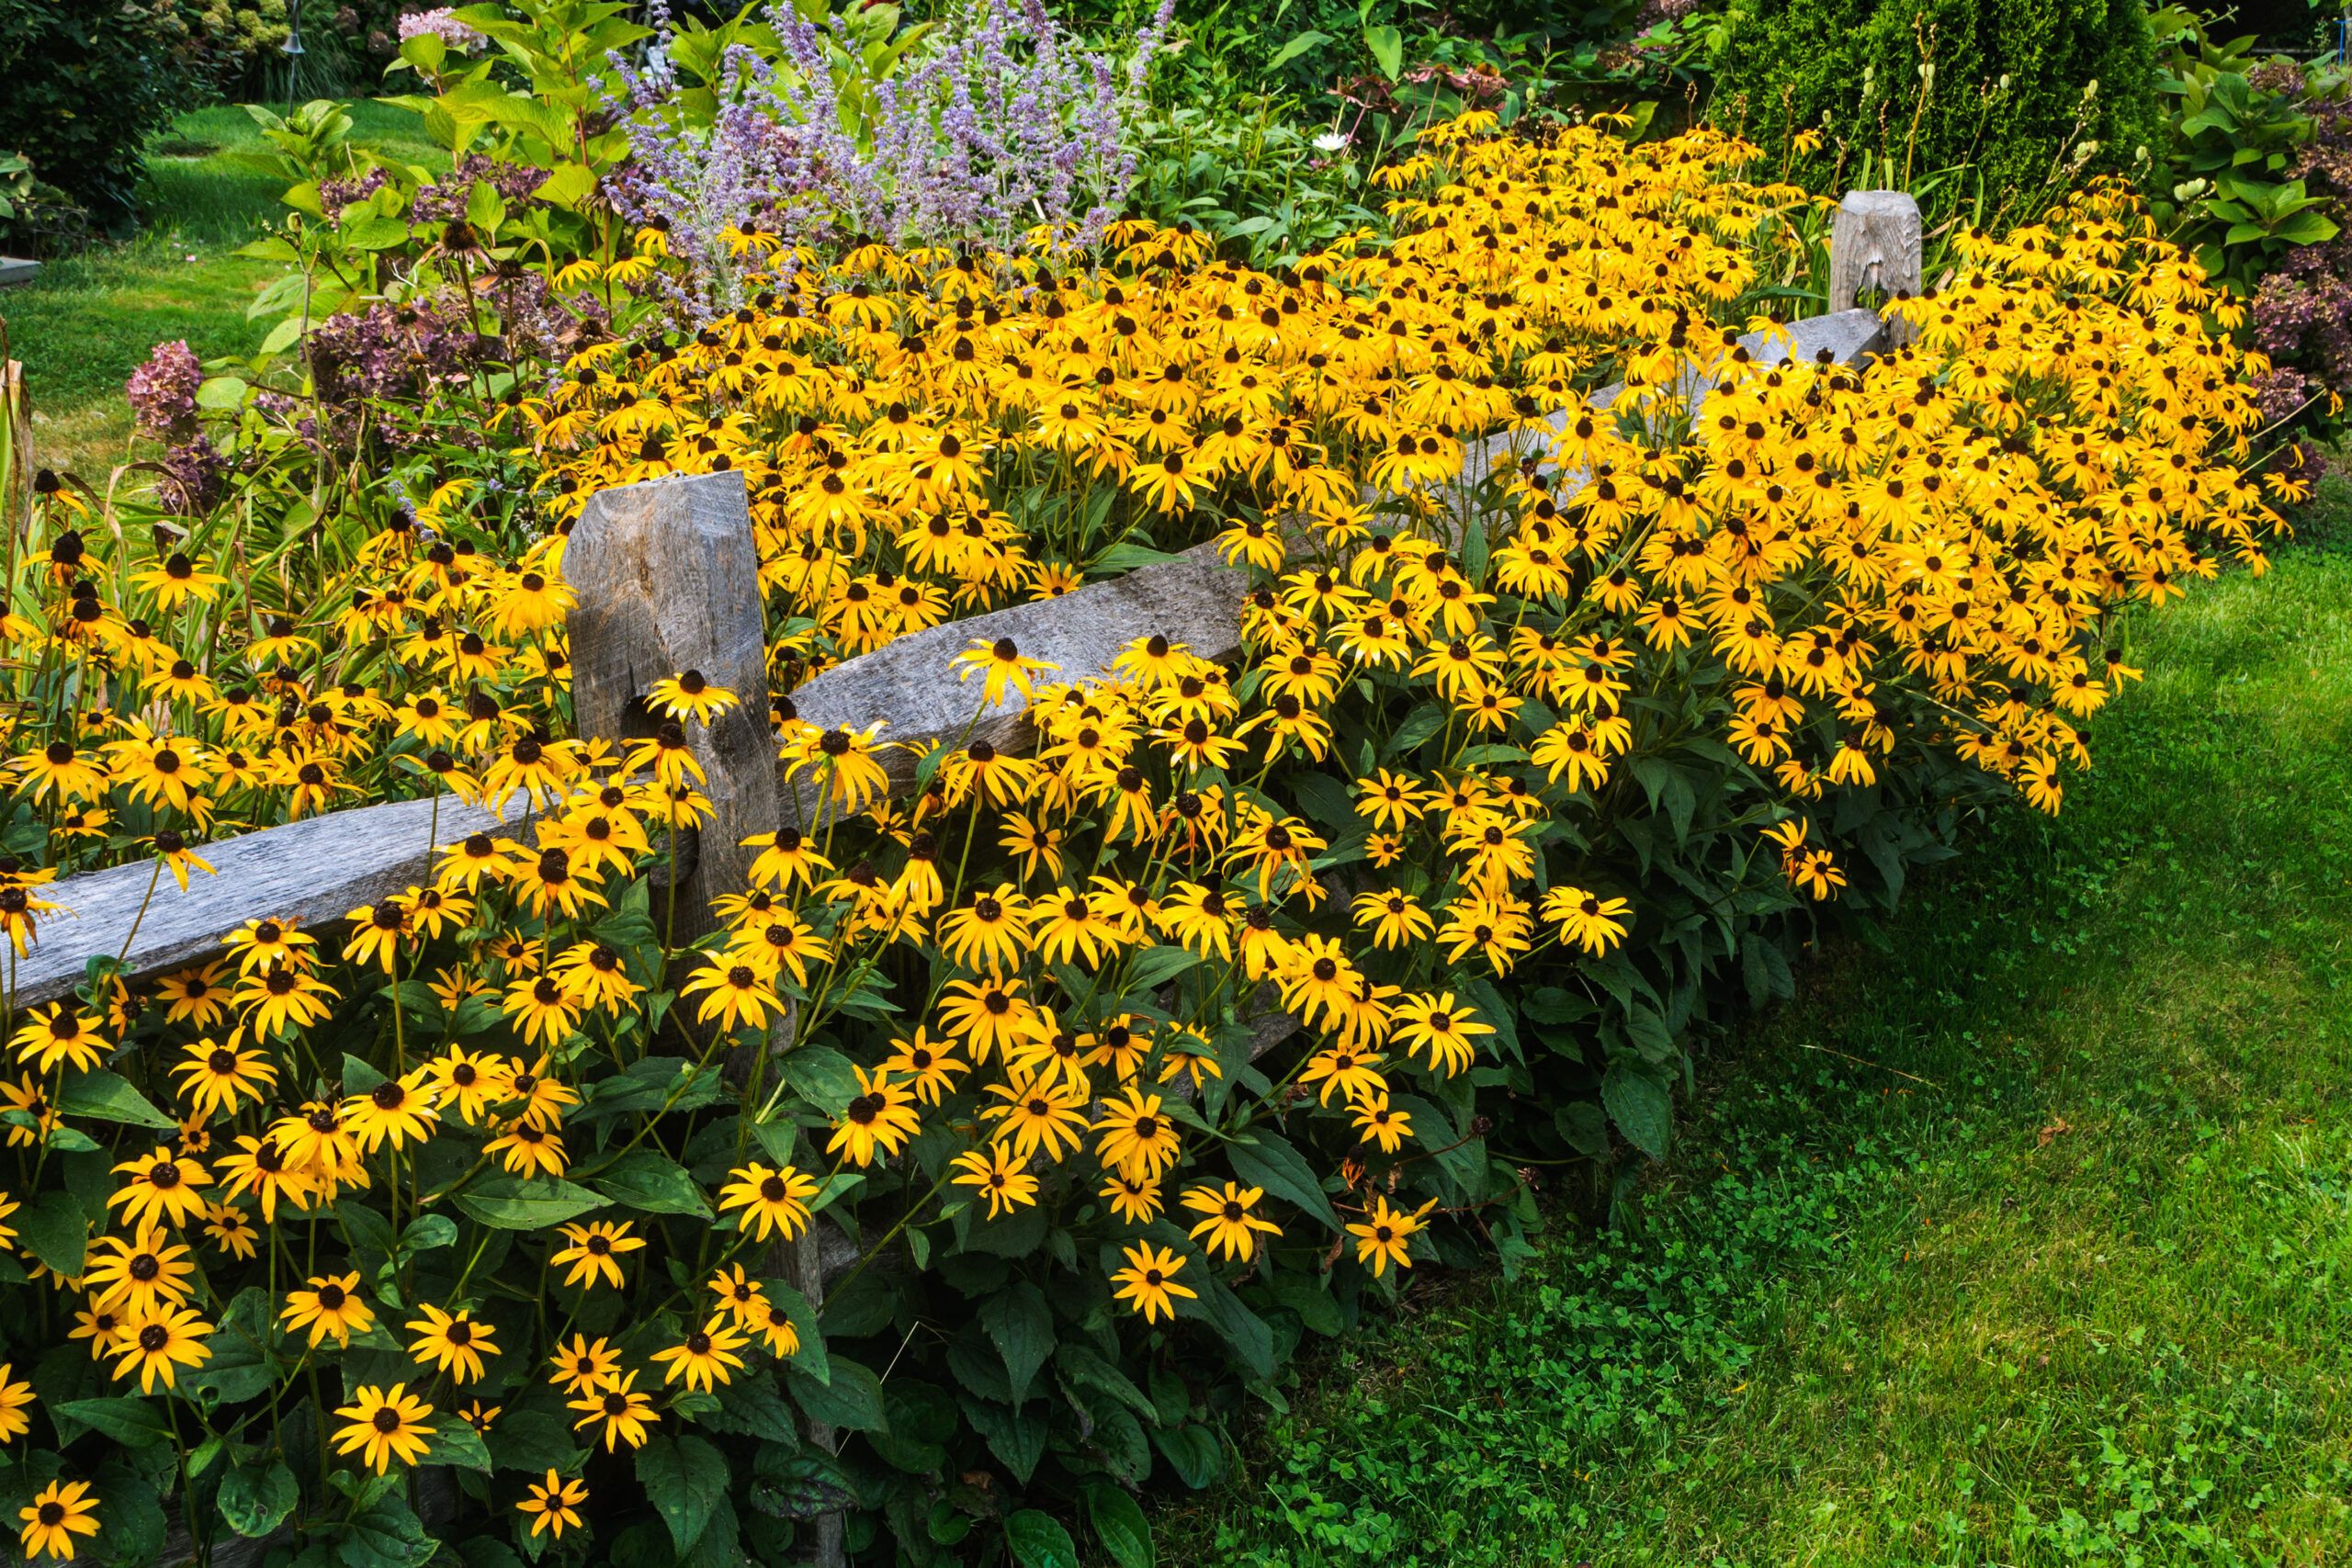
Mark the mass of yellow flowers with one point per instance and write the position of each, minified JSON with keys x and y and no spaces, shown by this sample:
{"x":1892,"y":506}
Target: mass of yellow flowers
{"x":1713,"y":625}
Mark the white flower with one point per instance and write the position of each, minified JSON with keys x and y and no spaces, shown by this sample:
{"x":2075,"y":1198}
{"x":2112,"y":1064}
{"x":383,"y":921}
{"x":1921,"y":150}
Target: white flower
{"x":1330,"y":142}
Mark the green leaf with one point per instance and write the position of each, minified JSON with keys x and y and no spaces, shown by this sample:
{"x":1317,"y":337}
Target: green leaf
{"x":1038,"y":1541}
{"x":569,"y":187}
{"x":821,"y":1075}
{"x":684,"y":1479}
{"x":1020,"y":1325}
{"x":651,"y":1183}
{"x":1193,"y":1450}
{"x":753,"y":1408}
{"x":1296,"y":46}
{"x":1388,"y":46}
{"x":455,"y":1442}
{"x":134,"y":1423}
{"x":534,"y":1441}
{"x":1126,"y":556}
{"x":256,"y":1498}
{"x":1274,"y":1164}
{"x":242,"y":1366}
{"x":1158,"y":966}
{"x":852,"y":1400}
{"x":387,"y":1534}
{"x":376,"y":233}
{"x":428,"y":1232}
{"x":1118,"y":1523}
{"x":52,"y":1227}
{"x":109,"y":1097}
{"x":1640,"y":1105}
{"x":517,"y":1203}
{"x":1418,"y":727}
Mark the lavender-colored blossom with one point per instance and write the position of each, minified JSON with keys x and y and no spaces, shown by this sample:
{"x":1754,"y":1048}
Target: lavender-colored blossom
{"x":162,"y":393}
{"x":406,"y":349}
{"x":444,"y":25}
{"x":444,"y":199}
{"x":335,"y":195}
{"x":195,"y":475}
{"x":2301,"y":315}
{"x":998,"y":130}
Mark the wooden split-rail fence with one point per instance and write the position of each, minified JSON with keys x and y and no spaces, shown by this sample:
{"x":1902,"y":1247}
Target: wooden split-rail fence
{"x":666,"y":578}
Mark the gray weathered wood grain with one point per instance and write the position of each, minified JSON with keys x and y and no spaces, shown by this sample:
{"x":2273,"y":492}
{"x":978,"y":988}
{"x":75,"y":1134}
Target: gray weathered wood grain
{"x":1877,"y":242}
{"x":666,"y":579}
{"x":309,"y":872}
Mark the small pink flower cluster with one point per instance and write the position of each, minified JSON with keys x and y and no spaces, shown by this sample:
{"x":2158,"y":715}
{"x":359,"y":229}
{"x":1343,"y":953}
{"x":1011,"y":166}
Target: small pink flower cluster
{"x":444,"y":25}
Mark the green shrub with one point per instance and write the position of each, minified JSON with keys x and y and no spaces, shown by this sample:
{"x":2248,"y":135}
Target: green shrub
{"x":82,"y":85}
{"x":2018,"y":86}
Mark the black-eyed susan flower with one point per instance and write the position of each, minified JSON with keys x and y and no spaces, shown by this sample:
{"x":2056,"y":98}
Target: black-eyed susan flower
{"x":553,"y":1505}
{"x":734,"y":994}
{"x":1385,"y":1234}
{"x":1587,"y":920}
{"x":162,"y":1188}
{"x":1149,"y":1284}
{"x":997,"y":1174}
{"x":60,"y":1033}
{"x":58,"y":1512}
{"x":219,"y":1076}
{"x":1445,"y":1029}
{"x":138,"y":1275}
{"x":381,"y":1425}
{"x":1229,"y":1223}
{"x":1381,"y":1124}
{"x":451,"y":1343}
{"x":879,"y":1118}
{"x":157,"y":1345}
{"x":595,"y":1251}
{"x":397,"y":1111}
{"x":583,"y":1366}
{"x":16,"y":1398}
{"x":1138,"y":1137}
{"x":704,"y":1357}
{"x":770,"y":1201}
{"x":626,"y":1411}
{"x":328,"y":1304}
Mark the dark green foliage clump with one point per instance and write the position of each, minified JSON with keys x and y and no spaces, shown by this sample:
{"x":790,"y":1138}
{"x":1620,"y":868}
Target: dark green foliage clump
{"x":83,"y":84}
{"x":2008,"y":94}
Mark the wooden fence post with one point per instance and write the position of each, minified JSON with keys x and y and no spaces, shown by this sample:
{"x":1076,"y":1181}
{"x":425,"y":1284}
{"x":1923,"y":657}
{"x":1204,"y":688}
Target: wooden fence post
{"x":667,"y":579}
{"x":1877,"y":242}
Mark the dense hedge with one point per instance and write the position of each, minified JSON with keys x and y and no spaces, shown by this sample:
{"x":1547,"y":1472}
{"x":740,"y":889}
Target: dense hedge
{"x":1849,"y":69}
{"x":83,"y":83}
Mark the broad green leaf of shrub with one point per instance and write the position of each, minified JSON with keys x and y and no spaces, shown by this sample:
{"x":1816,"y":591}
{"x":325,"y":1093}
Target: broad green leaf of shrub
{"x":651,"y":1183}
{"x":53,"y":1228}
{"x":109,"y":1097}
{"x":684,"y":1478}
{"x":522,"y":1204}
{"x":1119,"y":1524}
{"x":136,"y":1423}
{"x":1020,"y":1325}
{"x":255,"y":1497}
{"x":1639,"y":1104}
{"x":1273,"y":1162}
{"x":1038,"y":1541}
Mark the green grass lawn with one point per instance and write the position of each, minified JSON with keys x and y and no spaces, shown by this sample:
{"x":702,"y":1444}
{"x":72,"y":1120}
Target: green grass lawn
{"x":2022,"y":1237}
{"x":91,"y":320}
